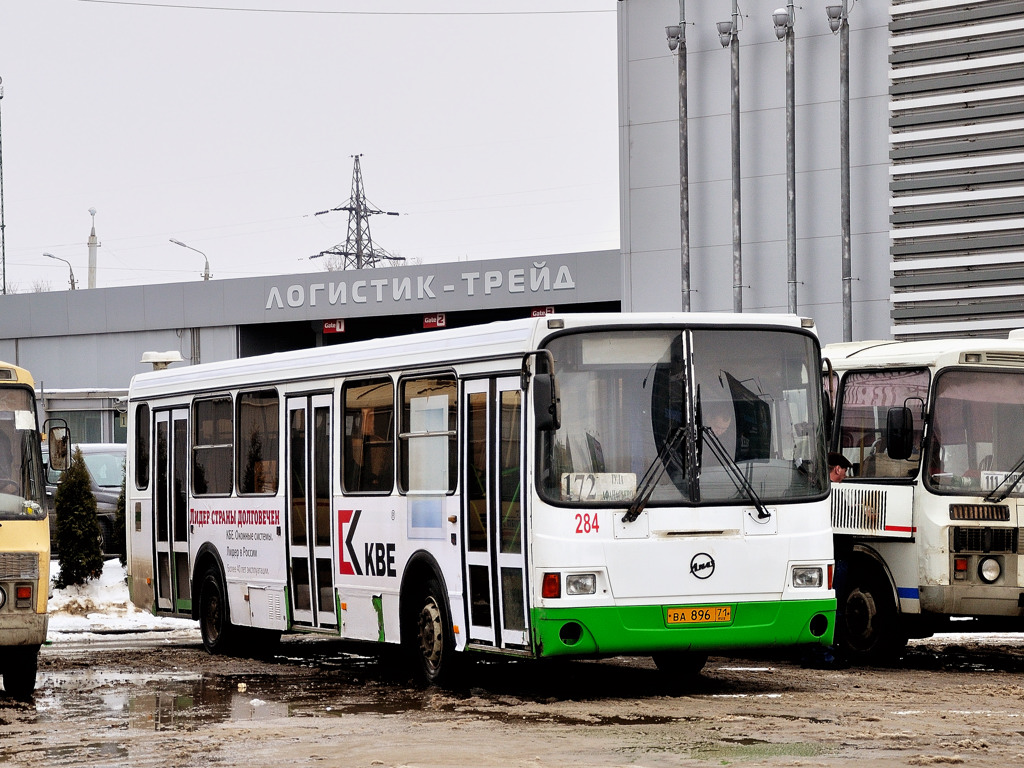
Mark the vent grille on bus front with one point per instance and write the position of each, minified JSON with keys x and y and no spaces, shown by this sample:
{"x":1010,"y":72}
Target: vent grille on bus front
{"x":19,"y":565}
{"x":1003,"y":358}
{"x":995,"y":513}
{"x":859,"y":508}
{"x":985,"y":540}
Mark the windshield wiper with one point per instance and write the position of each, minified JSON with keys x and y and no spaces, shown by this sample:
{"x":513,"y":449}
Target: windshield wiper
{"x":1009,"y":489}
{"x":735,"y":473}
{"x":653,"y":474}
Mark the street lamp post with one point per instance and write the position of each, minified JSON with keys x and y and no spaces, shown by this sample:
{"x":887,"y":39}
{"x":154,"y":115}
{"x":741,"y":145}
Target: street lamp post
{"x":676,"y":35}
{"x":70,"y":268}
{"x":206,"y":272}
{"x":728,"y":36}
{"x":783,"y":19}
{"x":838,"y":21}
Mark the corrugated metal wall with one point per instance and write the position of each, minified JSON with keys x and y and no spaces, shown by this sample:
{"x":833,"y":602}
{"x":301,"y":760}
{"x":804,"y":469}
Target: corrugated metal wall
{"x":956,"y":119}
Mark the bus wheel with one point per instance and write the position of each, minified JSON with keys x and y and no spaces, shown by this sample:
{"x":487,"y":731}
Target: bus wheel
{"x":680,"y":665}
{"x":19,"y":671}
{"x":432,"y":645}
{"x":868,"y":628}
{"x":214,"y":621}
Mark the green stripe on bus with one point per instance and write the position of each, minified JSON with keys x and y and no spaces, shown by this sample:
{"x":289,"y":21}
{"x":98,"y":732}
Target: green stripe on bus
{"x":645,"y":629}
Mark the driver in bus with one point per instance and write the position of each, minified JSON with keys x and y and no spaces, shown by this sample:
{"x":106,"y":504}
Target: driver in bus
{"x":8,"y":483}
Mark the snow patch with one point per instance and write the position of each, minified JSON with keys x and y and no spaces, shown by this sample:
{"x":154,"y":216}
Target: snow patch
{"x":103,"y":606}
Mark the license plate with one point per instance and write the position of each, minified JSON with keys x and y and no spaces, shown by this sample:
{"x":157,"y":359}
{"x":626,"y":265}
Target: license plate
{"x":700,"y":614}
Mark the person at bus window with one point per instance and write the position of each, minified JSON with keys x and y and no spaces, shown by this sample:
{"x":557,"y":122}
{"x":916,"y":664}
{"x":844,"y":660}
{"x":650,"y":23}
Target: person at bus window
{"x":8,"y":482}
{"x":838,"y":466}
{"x":718,"y":416}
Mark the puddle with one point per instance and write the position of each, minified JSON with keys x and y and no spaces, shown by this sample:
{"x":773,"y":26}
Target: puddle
{"x":161,"y":701}
{"x":738,"y":749}
{"x":187,"y":701}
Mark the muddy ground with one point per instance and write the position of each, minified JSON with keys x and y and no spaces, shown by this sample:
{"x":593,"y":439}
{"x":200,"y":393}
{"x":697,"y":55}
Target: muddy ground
{"x":126,"y":701}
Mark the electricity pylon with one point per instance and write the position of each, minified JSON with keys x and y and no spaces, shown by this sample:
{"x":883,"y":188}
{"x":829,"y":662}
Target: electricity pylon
{"x":358,"y":250}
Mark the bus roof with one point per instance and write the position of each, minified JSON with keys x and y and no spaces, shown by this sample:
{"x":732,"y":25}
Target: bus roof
{"x":930,"y":353}
{"x":15,"y":374}
{"x":506,"y":338}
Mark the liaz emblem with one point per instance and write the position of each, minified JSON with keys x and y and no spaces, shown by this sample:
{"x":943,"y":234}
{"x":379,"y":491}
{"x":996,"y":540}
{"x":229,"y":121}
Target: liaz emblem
{"x":702,"y":565}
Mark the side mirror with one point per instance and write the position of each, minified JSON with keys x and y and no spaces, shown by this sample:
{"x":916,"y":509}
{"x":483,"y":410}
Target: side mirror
{"x":58,"y":440}
{"x":547,"y":407}
{"x":899,"y":432}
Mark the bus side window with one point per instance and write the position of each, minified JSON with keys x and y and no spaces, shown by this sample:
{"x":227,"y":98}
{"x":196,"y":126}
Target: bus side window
{"x":143,"y":430}
{"x":429,"y":448}
{"x":212,"y":446}
{"x":258,"y":442}
{"x":368,"y":443}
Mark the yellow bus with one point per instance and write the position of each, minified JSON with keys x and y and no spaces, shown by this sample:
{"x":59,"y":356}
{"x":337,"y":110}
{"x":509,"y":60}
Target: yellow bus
{"x":24,"y":531}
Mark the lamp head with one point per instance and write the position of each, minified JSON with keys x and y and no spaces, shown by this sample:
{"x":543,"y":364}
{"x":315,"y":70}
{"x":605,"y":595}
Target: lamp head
{"x":782,"y":22}
{"x":674,"y":34}
{"x":835,"y":15}
{"x":725,"y":32}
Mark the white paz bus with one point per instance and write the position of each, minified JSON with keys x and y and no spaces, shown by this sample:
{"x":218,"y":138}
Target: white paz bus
{"x":574,"y":485}
{"x":928,"y":521}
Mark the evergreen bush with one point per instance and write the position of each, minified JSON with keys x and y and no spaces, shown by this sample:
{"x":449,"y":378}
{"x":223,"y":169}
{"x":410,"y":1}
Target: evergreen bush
{"x":78,"y":528}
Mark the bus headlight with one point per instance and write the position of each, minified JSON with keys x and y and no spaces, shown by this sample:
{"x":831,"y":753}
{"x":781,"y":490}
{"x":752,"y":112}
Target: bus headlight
{"x":3,"y":597}
{"x":989,"y":570}
{"x":807,"y":577}
{"x":581,"y":584}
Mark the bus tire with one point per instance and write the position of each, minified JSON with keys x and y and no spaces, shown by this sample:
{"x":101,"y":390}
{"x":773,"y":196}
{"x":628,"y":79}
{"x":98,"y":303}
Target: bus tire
{"x":430,"y":643}
{"x":214,"y":618}
{"x":868,"y":628}
{"x":19,"y":671}
{"x":680,"y":666}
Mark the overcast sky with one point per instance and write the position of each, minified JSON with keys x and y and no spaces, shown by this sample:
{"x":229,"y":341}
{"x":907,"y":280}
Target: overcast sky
{"x":490,"y":125}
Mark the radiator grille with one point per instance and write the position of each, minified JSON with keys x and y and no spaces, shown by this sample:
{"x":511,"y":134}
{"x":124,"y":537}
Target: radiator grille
{"x":1002,"y":540}
{"x":999,"y":513}
{"x":19,"y":565}
{"x":860,"y":508}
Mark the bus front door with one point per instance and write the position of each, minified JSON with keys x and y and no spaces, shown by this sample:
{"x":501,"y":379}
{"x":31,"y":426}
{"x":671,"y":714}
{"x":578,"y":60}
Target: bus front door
{"x":310,"y":575}
{"x":170,"y":510}
{"x":493,"y":513}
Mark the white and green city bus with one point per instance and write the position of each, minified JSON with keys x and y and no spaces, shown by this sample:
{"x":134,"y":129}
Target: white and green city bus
{"x":534,"y":488}
{"x":928,"y":521}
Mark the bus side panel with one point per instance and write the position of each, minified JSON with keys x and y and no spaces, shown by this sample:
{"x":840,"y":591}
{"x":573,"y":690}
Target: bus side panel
{"x":248,"y":536}
{"x":376,"y":541}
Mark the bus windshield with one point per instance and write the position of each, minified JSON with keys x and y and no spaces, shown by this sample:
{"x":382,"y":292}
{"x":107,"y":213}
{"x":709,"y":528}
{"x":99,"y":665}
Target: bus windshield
{"x":22,"y":491}
{"x":977,"y":443}
{"x":694,"y":412}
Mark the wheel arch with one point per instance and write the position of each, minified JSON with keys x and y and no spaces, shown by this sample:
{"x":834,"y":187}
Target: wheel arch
{"x":421,"y":567}
{"x":868,"y":558}
{"x":205,"y":557}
